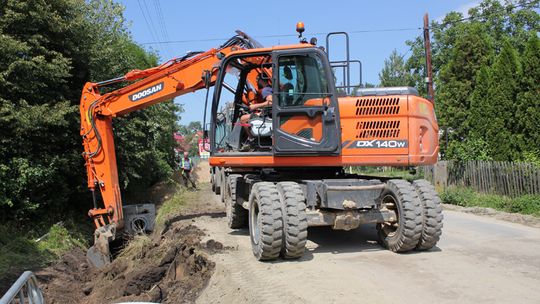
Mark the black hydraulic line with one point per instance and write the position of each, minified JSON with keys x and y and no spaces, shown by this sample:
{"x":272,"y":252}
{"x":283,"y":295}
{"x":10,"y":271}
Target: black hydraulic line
{"x":94,"y":198}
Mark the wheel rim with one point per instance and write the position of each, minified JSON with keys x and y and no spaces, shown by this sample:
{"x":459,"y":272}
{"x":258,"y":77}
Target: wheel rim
{"x":390,"y":228}
{"x":255,"y":225}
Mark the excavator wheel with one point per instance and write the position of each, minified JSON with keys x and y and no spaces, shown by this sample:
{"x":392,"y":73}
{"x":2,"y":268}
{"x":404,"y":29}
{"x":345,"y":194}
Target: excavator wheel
{"x":432,"y":214}
{"x":294,"y":220}
{"x":217,"y":181}
{"x":401,"y":236}
{"x":237,"y":216}
{"x":222,"y":185}
{"x":213,"y":182}
{"x":265,"y":221}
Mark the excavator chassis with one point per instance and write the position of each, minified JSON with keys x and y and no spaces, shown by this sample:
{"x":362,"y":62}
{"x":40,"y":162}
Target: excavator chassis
{"x":280,"y":206}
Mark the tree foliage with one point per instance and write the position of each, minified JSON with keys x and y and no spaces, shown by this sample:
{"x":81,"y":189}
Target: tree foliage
{"x":486,"y":80}
{"x":48,"y":50}
{"x":394,"y":72}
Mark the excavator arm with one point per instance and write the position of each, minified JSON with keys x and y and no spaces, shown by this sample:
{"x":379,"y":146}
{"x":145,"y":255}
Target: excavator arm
{"x":176,"y":77}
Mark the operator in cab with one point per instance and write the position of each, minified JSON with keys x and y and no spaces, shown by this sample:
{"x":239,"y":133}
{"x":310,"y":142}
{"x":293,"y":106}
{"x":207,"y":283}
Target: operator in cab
{"x":265,"y":93}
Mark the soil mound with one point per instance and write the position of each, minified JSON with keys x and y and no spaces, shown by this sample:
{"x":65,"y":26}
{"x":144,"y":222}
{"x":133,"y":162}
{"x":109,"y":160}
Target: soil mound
{"x":168,"y":268}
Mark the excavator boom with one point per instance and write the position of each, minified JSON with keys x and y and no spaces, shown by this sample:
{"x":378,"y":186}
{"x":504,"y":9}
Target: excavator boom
{"x":195,"y":71}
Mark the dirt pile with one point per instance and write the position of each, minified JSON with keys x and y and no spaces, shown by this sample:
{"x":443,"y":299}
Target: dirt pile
{"x":169,"y":268}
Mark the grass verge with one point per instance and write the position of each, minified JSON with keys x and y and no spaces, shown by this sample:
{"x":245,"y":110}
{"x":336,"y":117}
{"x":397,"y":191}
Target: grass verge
{"x":20,"y":252}
{"x":174,"y":206}
{"x":466,"y":197}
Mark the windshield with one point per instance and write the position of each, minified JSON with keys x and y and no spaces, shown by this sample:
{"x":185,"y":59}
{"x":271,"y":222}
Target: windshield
{"x":301,"y":78}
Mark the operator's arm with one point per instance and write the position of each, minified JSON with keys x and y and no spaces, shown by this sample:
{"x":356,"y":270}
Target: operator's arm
{"x":266,"y":94}
{"x":267,"y":103}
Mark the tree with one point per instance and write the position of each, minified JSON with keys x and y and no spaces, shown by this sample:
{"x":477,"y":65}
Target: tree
{"x":473,"y":97}
{"x":528,"y":101}
{"x":38,"y":101}
{"x":191,"y":134}
{"x":456,"y":78}
{"x":502,"y":131}
{"x":394,"y":72}
{"x":48,"y":50}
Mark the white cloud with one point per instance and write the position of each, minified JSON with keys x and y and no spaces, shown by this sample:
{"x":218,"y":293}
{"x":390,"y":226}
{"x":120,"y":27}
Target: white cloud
{"x":464,"y":9}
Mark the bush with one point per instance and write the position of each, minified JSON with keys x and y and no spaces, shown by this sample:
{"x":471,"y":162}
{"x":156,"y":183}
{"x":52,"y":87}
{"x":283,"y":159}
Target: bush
{"x":466,"y":197}
{"x":526,"y":204}
{"x":458,"y":196}
{"x":20,"y":251}
{"x":59,"y":241}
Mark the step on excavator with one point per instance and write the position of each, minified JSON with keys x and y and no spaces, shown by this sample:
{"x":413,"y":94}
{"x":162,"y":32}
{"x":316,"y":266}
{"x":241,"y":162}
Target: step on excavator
{"x":281,"y":134}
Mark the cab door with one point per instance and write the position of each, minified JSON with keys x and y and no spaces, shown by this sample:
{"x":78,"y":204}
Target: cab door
{"x":304,"y":108}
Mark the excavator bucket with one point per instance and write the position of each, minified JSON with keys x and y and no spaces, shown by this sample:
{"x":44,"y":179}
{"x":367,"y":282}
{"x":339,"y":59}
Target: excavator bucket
{"x":99,"y":254}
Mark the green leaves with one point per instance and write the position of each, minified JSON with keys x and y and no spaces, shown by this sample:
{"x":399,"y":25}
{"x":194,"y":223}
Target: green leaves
{"x":394,"y":72}
{"x":48,"y":50}
{"x":486,"y":79}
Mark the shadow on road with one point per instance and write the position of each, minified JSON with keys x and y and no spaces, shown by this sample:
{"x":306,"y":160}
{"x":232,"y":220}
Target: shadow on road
{"x":326,"y":239}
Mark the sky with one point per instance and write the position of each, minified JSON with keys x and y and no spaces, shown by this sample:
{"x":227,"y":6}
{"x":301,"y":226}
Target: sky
{"x":375,"y":29}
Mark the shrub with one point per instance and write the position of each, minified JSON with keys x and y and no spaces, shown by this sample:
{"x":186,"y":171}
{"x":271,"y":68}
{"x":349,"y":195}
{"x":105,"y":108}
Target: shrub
{"x":466,"y":197}
{"x":458,"y":196}
{"x":526,"y":204}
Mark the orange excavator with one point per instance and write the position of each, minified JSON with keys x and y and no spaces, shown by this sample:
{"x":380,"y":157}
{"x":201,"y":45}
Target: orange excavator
{"x":284,"y":169}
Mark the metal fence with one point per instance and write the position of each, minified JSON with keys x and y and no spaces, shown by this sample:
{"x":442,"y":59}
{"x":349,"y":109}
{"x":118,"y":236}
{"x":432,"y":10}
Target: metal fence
{"x":504,"y":178}
{"x":24,"y":290}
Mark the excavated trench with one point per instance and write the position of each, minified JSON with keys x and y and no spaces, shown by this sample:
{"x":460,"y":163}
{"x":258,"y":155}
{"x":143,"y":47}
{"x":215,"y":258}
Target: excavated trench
{"x":169,"y":266}
{"x":172,"y":269}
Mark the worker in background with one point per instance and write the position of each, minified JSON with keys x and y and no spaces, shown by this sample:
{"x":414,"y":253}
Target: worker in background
{"x":186,"y":166}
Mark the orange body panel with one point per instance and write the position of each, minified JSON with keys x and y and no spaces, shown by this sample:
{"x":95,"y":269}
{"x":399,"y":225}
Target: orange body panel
{"x":296,"y":124}
{"x":403,"y":125}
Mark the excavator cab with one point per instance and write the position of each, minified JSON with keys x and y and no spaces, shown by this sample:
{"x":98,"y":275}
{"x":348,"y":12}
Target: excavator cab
{"x":302,"y":119}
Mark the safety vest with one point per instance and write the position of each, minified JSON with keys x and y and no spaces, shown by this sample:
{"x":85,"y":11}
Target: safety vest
{"x":186,"y":164}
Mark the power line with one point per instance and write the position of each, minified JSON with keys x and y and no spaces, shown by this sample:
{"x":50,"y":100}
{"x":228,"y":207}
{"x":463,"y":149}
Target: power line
{"x":150,"y":28}
{"x":284,"y":35}
{"x":511,"y":7}
{"x":160,"y":24}
{"x":161,"y":18}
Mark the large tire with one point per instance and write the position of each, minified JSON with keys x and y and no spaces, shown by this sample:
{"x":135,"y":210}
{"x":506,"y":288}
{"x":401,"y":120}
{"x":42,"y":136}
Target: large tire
{"x":212,"y":182}
{"x":217,"y":180}
{"x":432,"y":214}
{"x":402,"y":236}
{"x":265,"y":221}
{"x":294,"y":220}
{"x":237,"y":216}
{"x":222,"y":184}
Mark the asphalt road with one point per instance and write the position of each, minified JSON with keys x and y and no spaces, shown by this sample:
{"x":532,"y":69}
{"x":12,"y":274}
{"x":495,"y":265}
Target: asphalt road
{"x":478,"y":260}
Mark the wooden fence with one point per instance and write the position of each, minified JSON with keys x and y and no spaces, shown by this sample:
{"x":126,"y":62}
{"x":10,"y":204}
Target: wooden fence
{"x":504,"y":178}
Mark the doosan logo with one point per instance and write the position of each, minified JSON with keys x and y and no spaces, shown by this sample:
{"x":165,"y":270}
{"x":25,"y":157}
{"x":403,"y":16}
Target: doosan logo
{"x":146,"y":92}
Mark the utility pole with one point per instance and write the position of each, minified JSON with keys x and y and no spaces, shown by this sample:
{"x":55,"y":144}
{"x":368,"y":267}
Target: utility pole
{"x":429,"y":69}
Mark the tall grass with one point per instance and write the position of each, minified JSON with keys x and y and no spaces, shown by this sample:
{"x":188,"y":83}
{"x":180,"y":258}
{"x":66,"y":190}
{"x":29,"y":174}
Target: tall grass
{"x":466,"y":197}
